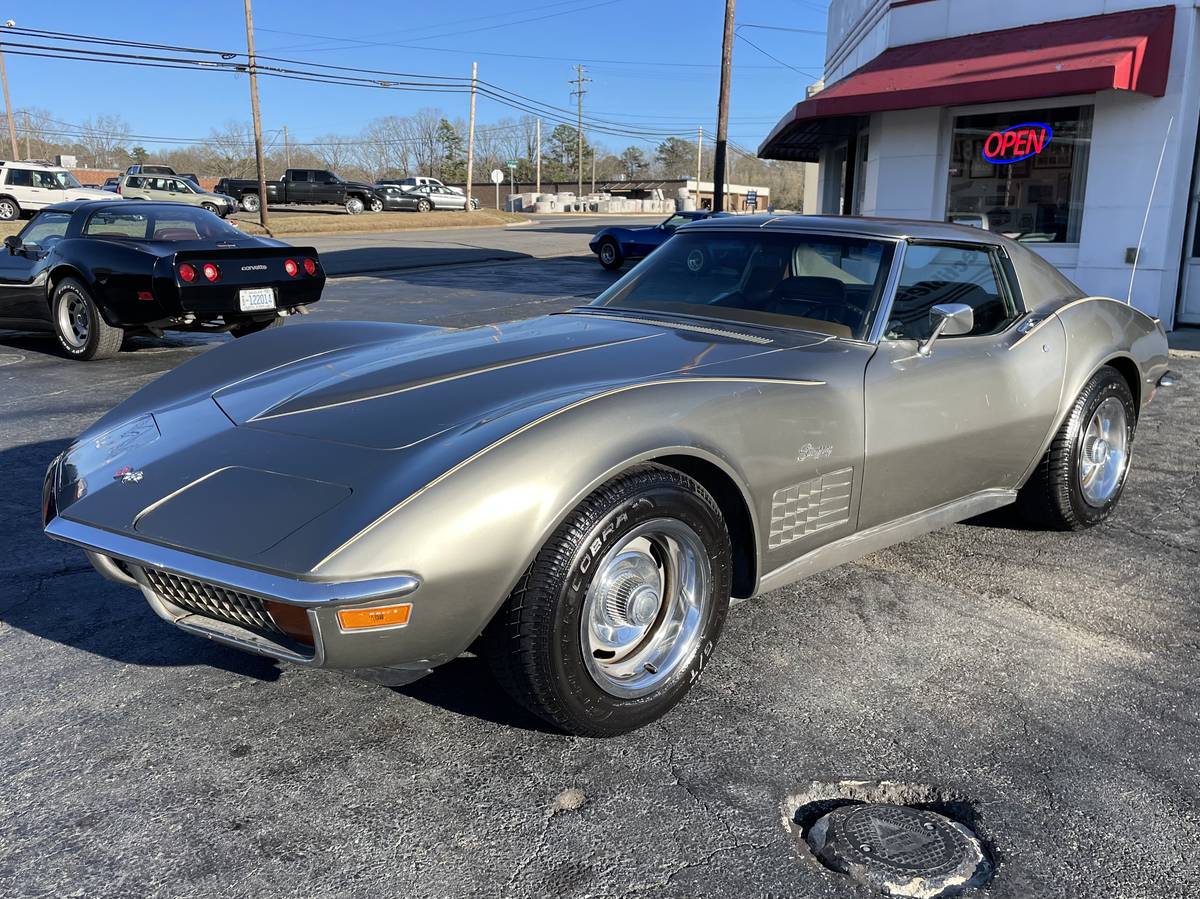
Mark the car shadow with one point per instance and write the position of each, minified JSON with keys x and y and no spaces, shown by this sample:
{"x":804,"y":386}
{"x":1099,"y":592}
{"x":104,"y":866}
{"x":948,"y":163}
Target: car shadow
{"x":379,"y":258}
{"x":466,"y":687}
{"x":49,"y":590}
{"x":1007,"y":518}
{"x":43,"y":343}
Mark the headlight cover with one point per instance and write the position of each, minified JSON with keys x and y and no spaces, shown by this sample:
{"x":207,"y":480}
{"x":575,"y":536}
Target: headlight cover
{"x":87,"y":458}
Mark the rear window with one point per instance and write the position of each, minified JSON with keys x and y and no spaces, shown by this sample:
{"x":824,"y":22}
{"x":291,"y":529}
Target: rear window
{"x":168,"y":223}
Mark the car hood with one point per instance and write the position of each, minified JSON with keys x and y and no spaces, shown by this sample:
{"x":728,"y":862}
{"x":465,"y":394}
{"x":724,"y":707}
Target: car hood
{"x":360,"y":185}
{"x":88,"y":193}
{"x":254,"y":470}
{"x":397,"y":394}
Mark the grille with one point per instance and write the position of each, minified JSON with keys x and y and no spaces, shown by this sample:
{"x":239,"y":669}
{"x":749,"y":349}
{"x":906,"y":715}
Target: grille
{"x":212,"y":601}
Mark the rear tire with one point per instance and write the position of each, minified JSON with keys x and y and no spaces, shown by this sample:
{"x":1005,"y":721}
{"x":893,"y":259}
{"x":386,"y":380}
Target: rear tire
{"x":620,"y":610}
{"x":1079,"y":481}
{"x":10,"y":209}
{"x":610,"y":255}
{"x":81,"y":331}
{"x":243,"y":329}
{"x":250,"y":203}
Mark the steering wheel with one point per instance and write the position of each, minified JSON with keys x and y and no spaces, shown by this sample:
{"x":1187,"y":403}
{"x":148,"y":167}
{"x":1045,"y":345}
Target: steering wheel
{"x":838,"y":310}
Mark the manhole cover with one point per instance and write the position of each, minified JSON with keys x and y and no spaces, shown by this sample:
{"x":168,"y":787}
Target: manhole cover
{"x":900,"y":851}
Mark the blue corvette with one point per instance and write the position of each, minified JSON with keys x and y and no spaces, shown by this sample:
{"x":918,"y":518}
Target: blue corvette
{"x":616,"y":244}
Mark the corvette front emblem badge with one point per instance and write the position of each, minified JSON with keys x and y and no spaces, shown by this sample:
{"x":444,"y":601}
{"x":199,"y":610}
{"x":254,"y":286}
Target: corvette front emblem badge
{"x":127,"y":475}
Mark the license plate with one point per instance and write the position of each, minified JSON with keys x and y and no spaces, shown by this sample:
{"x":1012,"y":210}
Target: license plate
{"x":256,"y":298}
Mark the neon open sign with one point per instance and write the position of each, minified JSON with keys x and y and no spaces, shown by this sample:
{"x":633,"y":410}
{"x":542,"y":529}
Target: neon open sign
{"x":1017,"y":143}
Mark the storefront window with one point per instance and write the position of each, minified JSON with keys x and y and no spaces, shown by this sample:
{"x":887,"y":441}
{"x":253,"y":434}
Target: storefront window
{"x":1022,"y":174}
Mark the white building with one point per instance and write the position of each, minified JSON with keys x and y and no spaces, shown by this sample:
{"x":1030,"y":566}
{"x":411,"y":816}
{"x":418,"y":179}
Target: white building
{"x":1041,"y":119}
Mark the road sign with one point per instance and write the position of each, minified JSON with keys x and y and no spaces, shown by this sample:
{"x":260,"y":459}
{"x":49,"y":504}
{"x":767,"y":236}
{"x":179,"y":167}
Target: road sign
{"x":512,"y":163}
{"x":752,"y":199}
{"x":497,"y":176}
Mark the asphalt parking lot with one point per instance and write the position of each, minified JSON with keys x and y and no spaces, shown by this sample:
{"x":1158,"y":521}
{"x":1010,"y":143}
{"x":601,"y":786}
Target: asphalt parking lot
{"x":1049,"y":679}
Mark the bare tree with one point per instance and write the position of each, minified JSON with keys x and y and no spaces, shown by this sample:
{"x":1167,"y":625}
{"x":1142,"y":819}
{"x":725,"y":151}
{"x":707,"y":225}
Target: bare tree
{"x":230,"y":150}
{"x":103,"y":139}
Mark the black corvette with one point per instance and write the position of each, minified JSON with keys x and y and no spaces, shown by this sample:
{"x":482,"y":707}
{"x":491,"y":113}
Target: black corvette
{"x":91,"y":271}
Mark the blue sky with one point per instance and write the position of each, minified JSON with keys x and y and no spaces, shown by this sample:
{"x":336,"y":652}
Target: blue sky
{"x":655,"y":61}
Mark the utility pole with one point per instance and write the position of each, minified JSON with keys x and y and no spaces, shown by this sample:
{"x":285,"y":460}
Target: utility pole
{"x":578,"y":93}
{"x":593,"y":169}
{"x":28,"y":128}
{"x":699,"y":162}
{"x":287,"y":149}
{"x":263,"y":216}
{"x":723,"y":110}
{"x":539,"y":156}
{"x":12,"y":126}
{"x":471,"y":137}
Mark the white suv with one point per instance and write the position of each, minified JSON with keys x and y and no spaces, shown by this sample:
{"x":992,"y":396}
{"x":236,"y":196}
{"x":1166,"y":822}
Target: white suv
{"x":30,"y":186}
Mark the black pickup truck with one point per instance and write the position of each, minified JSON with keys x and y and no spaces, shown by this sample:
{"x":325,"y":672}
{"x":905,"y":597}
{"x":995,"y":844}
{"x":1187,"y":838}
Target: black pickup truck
{"x":305,"y":186}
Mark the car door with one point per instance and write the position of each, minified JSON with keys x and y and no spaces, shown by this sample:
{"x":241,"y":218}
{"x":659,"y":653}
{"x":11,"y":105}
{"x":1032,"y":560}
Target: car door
{"x":18,"y":183}
{"x":300,"y":186}
{"x":49,"y":189}
{"x":22,"y":274}
{"x":972,"y":414}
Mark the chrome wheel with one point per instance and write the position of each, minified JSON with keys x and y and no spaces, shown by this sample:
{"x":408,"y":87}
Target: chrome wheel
{"x":645,"y":609}
{"x":74,"y":320}
{"x":608,"y":253}
{"x":8,"y":210}
{"x":377,"y":205}
{"x":250,"y":202}
{"x":1104,"y":453}
{"x":354,"y":205}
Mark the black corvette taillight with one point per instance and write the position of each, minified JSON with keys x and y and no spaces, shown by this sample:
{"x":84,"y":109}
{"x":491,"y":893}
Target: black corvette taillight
{"x":310,"y":266}
{"x":187,"y":272}
{"x":289,"y":266}
{"x":211,"y":272}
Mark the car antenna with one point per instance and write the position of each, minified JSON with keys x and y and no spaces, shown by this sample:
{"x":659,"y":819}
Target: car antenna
{"x":1137,"y":256}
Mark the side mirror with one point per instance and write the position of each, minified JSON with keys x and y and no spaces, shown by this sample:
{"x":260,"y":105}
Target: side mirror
{"x":13,"y":243}
{"x":949,"y":320}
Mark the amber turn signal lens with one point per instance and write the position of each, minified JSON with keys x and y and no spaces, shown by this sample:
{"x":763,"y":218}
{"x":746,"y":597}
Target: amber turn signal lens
{"x":380,"y":616}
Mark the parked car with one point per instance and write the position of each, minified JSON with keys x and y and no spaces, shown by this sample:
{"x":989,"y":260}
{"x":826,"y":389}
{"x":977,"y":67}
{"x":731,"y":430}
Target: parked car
{"x":30,"y":186}
{"x":615,"y":244}
{"x":174,"y":189}
{"x":308,"y":187}
{"x":110,"y":184}
{"x":419,"y":181}
{"x":92,"y":271}
{"x":156,"y":169}
{"x":422,"y":199}
{"x":577,"y":496}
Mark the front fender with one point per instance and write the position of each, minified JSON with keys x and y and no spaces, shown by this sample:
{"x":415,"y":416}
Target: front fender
{"x":472,"y":532}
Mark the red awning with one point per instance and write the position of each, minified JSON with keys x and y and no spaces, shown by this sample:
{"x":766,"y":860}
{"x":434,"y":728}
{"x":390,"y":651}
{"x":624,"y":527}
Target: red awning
{"x":1129,"y":51}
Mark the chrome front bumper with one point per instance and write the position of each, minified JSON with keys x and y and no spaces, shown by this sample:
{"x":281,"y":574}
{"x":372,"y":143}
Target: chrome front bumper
{"x":127,"y":560}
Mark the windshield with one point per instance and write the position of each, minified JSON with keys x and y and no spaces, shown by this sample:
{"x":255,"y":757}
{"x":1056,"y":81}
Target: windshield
{"x":65,"y":180}
{"x":169,"y":222}
{"x":813,"y":282}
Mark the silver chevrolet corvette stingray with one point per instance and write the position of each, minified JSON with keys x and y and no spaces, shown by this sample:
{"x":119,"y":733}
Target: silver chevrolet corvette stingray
{"x":577,"y":497}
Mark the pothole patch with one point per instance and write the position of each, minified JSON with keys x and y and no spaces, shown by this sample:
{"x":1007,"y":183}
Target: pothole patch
{"x":897,"y":839}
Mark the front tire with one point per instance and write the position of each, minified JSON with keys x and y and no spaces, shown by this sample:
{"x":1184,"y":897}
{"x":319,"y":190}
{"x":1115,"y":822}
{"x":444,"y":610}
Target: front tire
{"x":10,"y":209}
{"x":619,"y":612}
{"x":424,"y":206}
{"x":250,"y":202}
{"x":377,"y":205}
{"x":610,"y":255}
{"x":209,"y":207}
{"x":81,"y":331}
{"x":354,"y":205}
{"x":1079,"y":481}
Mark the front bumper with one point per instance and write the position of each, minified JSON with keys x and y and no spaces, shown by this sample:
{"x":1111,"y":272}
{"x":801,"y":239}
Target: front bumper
{"x":158,"y":570}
